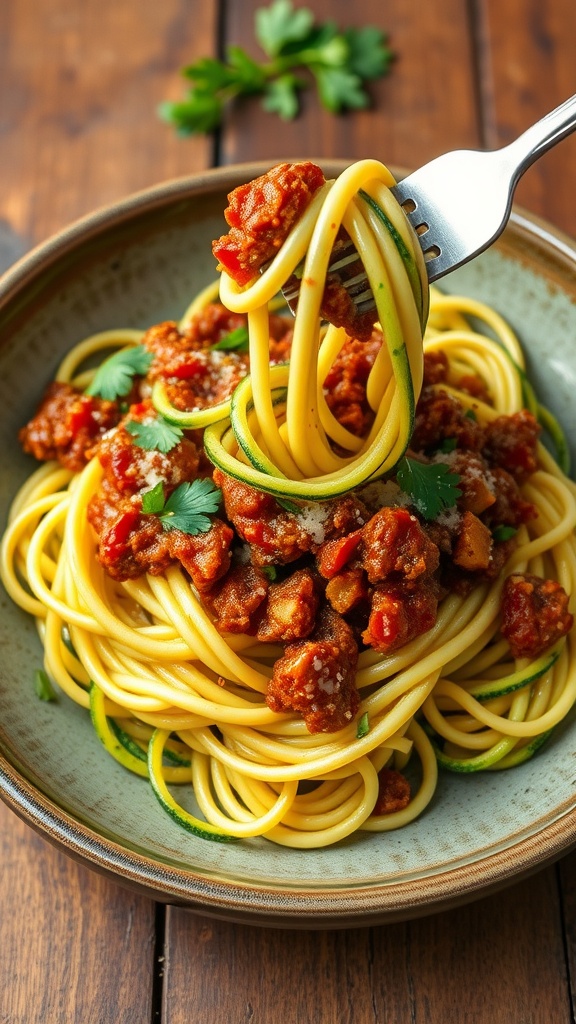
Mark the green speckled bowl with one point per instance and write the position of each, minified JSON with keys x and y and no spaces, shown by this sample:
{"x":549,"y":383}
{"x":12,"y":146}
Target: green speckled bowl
{"x":134,"y":264}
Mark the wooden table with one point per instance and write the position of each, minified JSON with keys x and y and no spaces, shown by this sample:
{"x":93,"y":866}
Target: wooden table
{"x":79,"y":84}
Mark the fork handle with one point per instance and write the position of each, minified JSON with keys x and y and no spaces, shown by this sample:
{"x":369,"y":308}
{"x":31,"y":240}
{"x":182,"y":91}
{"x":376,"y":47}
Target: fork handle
{"x":540,"y":137}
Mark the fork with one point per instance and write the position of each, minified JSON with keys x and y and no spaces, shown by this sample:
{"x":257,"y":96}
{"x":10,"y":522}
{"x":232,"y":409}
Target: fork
{"x":458,"y":204}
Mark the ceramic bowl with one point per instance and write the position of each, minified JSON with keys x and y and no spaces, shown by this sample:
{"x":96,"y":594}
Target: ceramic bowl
{"x":134,"y":264}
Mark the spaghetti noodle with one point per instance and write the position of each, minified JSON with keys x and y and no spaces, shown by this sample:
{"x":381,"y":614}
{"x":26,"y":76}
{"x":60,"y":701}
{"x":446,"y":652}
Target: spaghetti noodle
{"x":178,"y":699}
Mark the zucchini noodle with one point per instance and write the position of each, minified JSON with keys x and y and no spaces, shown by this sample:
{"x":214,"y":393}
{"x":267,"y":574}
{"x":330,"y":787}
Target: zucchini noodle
{"x":174,"y":700}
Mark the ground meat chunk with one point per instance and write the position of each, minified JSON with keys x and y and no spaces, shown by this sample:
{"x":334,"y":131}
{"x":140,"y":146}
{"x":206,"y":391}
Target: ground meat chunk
{"x":534,"y":614}
{"x":277,"y":537}
{"x":476,"y":484}
{"x":205,"y":556}
{"x":439,"y":417}
{"x":510,"y":508}
{"x":393,"y":792}
{"x":338,"y":306}
{"x":261,"y":214}
{"x":129,"y":469}
{"x":347,"y":589}
{"x":436,"y":368}
{"x":393,"y":541}
{"x":316,"y":677}
{"x":511,"y":443}
{"x":194,"y":374}
{"x":399,"y":613}
{"x":473,"y":548}
{"x":238,"y":599}
{"x":291,"y":608}
{"x":334,"y":554}
{"x":66,"y":426}
{"x":131,"y":543}
{"x":345,"y":384}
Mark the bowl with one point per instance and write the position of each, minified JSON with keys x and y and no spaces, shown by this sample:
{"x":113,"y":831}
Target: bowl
{"x":139,"y":262}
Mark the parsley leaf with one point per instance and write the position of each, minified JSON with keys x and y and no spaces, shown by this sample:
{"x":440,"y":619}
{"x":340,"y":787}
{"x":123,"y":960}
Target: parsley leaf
{"x":281,"y":96}
{"x":431,"y":486}
{"x":363,"y":726}
{"x":449,"y":444}
{"x":187,"y":508}
{"x":502,"y":533}
{"x":339,"y":62}
{"x":236,"y":340}
{"x":279,"y":24}
{"x":114,"y":376}
{"x":155,"y":435}
{"x":42,"y":686}
{"x":153,"y":500}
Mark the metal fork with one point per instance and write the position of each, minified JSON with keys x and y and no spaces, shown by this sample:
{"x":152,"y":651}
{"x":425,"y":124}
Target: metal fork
{"x":458,"y":204}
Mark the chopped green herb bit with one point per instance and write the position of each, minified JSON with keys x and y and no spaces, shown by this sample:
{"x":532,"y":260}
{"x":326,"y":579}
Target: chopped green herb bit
{"x":235,"y":341}
{"x":431,"y":486}
{"x":339,"y":62}
{"x":449,"y":444}
{"x":470,"y":415}
{"x":502,"y":533}
{"x":114,"y":377}
{"x":187,"y":508}
{"x":42,"y":686}
{"x":363,"y":726}
{"x":270,"y":571}
{"x":155,"y":434}
{"x":153,"y":500}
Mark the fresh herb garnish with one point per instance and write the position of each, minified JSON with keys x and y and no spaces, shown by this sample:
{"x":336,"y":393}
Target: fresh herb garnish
{"x":188,"y":507}
{"x":114,"y":377}
{"x":42,"y":686}
{"x":234,"y":341}
{"x":448,"y":444}
{"x":154,"y":435}
{"x":338,"y":61}
{"x":153,"y":500}
{"x":363,"y":726}
{"x":471,"y":415}
{"x":270,"y":571}
{"x":431,"y":486}
{"x":502,"y":533}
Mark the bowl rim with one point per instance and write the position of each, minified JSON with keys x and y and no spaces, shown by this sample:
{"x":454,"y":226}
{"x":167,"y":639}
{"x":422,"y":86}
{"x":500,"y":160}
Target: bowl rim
{"x":306,"y":906}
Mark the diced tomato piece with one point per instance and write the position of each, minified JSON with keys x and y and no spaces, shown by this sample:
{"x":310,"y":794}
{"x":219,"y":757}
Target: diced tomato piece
{"x":334,"y":554}
{"x":114,"y":541}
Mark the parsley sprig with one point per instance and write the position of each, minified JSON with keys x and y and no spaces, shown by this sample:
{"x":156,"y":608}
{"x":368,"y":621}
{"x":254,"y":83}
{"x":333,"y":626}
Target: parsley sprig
{"x":235,"y":341}
{"x":338,"y":61}
{"x":115,"y":375}
{"x":187,"y":509}
{"x":431,"y":486}
{"x":155,"y":434}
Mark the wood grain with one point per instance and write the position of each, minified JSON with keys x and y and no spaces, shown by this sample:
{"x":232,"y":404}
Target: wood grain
{"x":426,"y":104}
{"x":524,"y":74}
{"x":79,"y":87}
{"x":499,"y":961}
{"x":75,"y":947}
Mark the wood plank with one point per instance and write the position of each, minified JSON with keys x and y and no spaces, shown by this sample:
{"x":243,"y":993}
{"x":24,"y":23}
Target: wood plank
{"x":524,"y":74}
{"x":74,"y":945}
{"x":498,"y":961}
{"x":79,"y":88}
{"x":409,"y":122}
{"x":567,"y":878}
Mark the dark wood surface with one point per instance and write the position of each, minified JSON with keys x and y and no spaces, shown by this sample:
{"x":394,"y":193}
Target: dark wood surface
{"x":80,"y":81}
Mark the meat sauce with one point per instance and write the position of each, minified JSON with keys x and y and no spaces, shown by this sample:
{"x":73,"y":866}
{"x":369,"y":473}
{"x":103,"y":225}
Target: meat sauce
{"x":261,"y":215}
{"x":338,"y":576}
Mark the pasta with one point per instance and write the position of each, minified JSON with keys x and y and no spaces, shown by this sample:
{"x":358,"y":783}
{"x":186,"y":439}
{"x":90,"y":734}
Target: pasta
{"x":178,"y":700}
